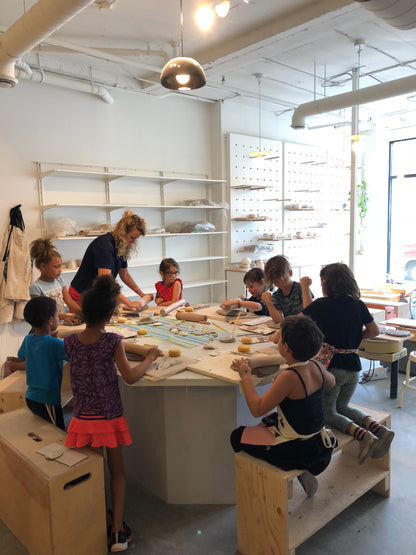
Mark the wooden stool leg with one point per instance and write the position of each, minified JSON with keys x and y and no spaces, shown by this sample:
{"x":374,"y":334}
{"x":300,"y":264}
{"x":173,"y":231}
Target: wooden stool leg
{"x":406,"y":380}
{"x":262,"y":510}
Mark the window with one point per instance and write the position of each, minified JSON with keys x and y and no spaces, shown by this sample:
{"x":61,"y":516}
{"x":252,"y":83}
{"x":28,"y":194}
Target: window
{"x":401,"y":240}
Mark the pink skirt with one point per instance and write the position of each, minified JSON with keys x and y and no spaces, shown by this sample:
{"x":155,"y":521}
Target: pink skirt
{"x":98,"y":433}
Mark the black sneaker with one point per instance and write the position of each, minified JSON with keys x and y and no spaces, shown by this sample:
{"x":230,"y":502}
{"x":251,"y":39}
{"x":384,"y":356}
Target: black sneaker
{"x":120,"y":539}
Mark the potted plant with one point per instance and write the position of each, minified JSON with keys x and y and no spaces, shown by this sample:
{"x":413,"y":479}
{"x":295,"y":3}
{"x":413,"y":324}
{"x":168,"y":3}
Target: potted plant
{"x":362,"y":205}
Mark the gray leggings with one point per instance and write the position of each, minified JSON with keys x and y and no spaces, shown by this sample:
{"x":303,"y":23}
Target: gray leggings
{"x":337,"y":413}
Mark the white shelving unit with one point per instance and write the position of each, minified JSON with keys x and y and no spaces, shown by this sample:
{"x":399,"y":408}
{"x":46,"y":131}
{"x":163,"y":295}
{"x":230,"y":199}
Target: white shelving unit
{"x":84,"y":198}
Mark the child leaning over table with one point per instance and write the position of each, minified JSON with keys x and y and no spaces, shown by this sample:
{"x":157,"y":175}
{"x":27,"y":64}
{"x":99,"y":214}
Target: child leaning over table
{"x":292,"y":437}
{"x":344,"y":321}
{"x":254,"y":282}
{"x":291,"y":296}
{"x":98,"y":418}
{"x":44,"y":356}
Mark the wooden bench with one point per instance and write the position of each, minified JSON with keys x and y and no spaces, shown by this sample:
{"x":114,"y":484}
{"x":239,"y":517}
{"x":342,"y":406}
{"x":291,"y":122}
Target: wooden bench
{"x":274,"y":516}
{"x":13,"y":390}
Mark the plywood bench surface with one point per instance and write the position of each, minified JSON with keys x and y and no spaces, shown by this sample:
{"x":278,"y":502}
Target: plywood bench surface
{"x":273,"y":513}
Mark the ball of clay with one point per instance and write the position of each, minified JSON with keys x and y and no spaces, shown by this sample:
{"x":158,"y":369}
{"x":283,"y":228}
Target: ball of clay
{"x":174,"y":352}
{"x":243,"y":349}
{"x":121,"y":320}
{"x":246,"y":340}
{"x":189,"y":309}
{"x":141,"y":331}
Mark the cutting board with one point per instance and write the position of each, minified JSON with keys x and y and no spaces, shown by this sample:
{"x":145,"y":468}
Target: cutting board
{"x":178,"y":364}
{"x":220,"y":366}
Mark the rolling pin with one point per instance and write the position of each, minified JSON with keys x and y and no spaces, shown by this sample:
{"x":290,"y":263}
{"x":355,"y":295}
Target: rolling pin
{"x":136,"y":348}
{"x":191,"y":316}
{"x":172,"y":307}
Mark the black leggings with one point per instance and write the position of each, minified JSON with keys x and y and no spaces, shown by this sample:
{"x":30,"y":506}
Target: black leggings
{"x":309,"y":455}
{"x":40,"y":409}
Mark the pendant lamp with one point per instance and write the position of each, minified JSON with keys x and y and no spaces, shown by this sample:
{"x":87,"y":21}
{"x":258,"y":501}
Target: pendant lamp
{"x":260,"y":153}
{"x":182,"y":74}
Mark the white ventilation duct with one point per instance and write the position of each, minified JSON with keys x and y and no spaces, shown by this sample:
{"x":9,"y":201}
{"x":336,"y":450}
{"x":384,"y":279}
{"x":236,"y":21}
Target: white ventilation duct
{"x":354,"y":98}
{"x":397,"y":13}
{"x":45,"y":17}
{"x":38,"y":76}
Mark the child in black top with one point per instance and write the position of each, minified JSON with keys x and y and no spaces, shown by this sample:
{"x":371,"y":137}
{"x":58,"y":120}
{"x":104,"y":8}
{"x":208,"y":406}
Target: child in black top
{"x":341,"y":316}
{"x":293,"y":436}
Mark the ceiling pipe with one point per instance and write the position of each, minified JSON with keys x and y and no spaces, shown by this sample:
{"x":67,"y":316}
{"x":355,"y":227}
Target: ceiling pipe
{"x":39,"y":76}
{"x":397,"y":13}
{"x":43,"y":18}
{"x":354,"y":98}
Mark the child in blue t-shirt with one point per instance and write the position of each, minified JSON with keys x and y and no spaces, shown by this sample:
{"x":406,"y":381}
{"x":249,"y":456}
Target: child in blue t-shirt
{"x":44,"y":356}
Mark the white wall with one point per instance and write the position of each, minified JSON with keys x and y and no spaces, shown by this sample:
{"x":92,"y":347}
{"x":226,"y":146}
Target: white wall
{"x":48,"y":124}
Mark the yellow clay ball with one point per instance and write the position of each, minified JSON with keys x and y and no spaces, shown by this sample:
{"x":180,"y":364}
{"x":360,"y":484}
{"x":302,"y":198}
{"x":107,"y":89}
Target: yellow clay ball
{"x":246,"y":340}
{"x":189,"y":309}
{"x":141,"y":331}
{"x":174,"y":352}
{"x":121,"y":320}
{"x":243,"y":349}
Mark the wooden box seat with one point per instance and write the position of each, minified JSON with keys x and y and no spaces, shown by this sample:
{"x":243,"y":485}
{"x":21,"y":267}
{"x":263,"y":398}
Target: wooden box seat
{"x":274,"y":516}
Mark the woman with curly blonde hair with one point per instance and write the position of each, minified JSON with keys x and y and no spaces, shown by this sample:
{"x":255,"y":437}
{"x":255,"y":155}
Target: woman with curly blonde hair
{"x":108,"y":254}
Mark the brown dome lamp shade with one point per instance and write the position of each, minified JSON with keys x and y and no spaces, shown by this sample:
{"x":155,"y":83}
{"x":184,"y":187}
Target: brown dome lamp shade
{"x":182,"y":74}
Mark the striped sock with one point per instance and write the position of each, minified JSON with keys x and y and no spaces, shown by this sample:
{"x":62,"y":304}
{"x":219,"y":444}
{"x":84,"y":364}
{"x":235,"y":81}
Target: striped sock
{"x":355,"y":431}
{"x":371,"y":425}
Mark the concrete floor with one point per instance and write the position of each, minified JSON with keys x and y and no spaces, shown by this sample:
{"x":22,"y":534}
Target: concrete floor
{"x":372,"y":525}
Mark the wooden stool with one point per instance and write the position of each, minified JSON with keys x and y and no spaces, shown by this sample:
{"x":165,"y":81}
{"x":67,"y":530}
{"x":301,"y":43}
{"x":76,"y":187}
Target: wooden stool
{"x":408,"y":379}
{"x":274,"y":516}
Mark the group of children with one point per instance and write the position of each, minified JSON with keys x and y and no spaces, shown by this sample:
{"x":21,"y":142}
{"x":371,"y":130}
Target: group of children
{"x":319,"y":339}
{"x":302,"y":399}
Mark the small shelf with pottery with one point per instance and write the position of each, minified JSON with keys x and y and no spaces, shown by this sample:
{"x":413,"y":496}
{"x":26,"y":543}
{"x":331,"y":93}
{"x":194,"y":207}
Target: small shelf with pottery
{"x":299,"y":209}
{"x":251,"y":187}
{"x":248,"y":219}
{"x":277,"y":199}
{"x":273,"y":239}
{"x":307,"y":191}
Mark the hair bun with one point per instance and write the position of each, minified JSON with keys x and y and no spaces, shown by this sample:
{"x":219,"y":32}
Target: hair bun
{"x":106,"y":286}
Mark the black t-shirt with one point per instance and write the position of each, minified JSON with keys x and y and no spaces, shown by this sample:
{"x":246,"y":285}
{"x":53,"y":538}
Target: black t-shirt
{"x":341,"y":320}
{"x":101,"y":253}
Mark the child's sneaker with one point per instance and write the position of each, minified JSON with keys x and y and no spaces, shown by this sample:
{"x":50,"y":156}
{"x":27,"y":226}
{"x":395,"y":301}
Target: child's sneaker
{"x":119,"y":540}
{"x":367,"y":445}
{"x":309,"y":483}
{"x":385,"y":437}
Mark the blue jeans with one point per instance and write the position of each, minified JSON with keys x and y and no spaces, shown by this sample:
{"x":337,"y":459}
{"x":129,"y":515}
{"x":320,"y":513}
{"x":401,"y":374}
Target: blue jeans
{"x":337,"y":413}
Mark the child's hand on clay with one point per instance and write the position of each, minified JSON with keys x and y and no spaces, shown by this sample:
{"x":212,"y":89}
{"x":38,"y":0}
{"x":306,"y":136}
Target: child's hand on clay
{"x":154,"y":353}
{"x":230,"y":303}
{"x":242,"y":367}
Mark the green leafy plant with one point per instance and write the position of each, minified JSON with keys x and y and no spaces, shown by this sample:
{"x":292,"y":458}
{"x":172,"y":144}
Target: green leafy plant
{"x":362,"y":201}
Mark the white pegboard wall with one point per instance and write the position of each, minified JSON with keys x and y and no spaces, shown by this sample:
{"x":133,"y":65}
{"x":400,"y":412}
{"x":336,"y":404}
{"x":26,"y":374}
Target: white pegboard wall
{"x":301,"y":177}
{"x":255,"y":184}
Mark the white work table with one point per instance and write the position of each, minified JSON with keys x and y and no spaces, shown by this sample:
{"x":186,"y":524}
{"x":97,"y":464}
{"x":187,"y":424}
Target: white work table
{"x":180,"y":428}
